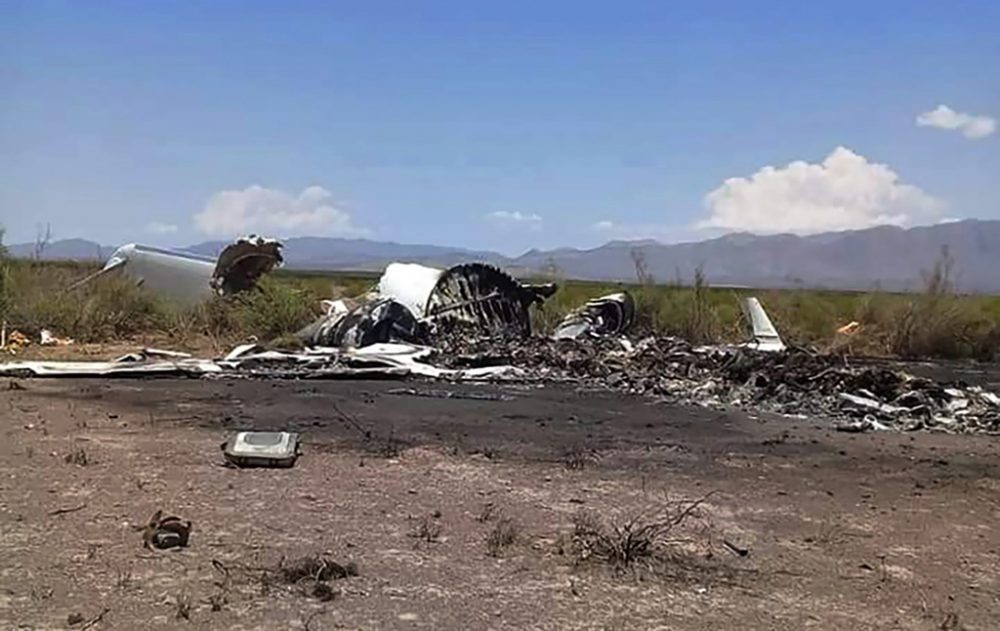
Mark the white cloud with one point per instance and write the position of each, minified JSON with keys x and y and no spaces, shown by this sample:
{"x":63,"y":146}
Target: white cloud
{"x":970,"y":125}
{"x":844,"y":192}
{"x":513,"y":219}
{"x":267,"y":211}
{"x":158,"y":227}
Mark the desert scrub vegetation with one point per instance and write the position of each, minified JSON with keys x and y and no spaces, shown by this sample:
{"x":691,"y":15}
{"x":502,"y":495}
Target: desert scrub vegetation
{"x":626,"y":543}
{"x":34,"y":296}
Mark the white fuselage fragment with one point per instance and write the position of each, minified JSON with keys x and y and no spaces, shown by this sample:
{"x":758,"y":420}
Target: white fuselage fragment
{"x":189,"y":278}
{"x":410,"y":284}
{"x":181,"y":276}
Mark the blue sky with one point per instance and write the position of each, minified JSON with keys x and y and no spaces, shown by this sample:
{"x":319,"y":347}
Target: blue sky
{"x":494,"y":125}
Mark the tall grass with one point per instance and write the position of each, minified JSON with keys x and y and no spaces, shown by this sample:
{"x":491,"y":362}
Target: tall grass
{"x":940,"y":323}
{"x":34,"y":296}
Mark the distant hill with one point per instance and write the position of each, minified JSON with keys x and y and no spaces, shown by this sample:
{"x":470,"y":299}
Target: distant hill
{"x":65,"y":249}
{"x":334,"y":253}
{"x":888,"y":257}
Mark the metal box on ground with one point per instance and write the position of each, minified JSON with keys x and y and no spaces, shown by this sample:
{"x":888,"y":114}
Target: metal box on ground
{"x":262,"y":449}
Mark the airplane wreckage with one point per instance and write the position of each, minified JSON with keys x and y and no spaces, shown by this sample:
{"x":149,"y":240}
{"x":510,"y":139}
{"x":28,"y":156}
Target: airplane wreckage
{"x":189,"y":278}
{"x":471,"y":322}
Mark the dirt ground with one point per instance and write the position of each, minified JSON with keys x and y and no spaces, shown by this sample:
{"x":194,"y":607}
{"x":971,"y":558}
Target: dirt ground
{"x":843,"y":531}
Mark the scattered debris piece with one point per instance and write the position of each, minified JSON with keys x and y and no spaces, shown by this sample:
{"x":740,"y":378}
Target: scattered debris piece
{"x":850,"y":328}
{"x":377,"y":320}
{"x":132,"y":365}
{"x":95,"y":620}
{"x":451,"y":394}
{"x":14,"y":342}
{"x":860,"y":426}
{"x":262,"y":449}
{"x":46,"y":338}
{"x":735,"y":549}
{"x":163,"y":533}
{"x":63,"y":511}
{"x":601,"y":317}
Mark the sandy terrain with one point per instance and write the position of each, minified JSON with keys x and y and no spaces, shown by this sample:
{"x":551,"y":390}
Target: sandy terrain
{"x":844,"y":531}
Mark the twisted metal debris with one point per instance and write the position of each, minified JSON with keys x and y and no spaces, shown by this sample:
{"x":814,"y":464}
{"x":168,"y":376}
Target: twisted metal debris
{"x":794,"y":382}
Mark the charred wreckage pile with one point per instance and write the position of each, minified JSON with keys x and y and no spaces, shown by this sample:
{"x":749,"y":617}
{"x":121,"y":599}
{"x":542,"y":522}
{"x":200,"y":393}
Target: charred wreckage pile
{"x":471,"y":322}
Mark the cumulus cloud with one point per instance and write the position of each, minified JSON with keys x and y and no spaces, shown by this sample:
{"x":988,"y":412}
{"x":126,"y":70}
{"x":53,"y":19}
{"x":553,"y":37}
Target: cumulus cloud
{"x":844,"y":192}
{"x":256,"y":209}
{"x":969,"y":125}
{"x":515,"y":219}
{"x":158,"y":227}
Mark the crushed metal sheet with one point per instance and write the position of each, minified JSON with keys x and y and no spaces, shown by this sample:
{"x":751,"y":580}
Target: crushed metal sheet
{"x":608,"y":315}
{"x":792,"y":383}
{"x":450,"y":394}
{"x":131,"y":368}
{"x":378,"y":320}
{"x":391,"y":359}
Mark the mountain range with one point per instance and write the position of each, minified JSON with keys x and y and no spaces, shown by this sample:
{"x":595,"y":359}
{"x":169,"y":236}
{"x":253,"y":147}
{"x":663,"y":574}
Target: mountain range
{"x":888,"y":257}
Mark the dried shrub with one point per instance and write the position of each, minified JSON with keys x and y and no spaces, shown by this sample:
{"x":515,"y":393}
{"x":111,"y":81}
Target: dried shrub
{"x":489,"y":512}
{"x":940,"y":323}
{"x":428,"y":528}
{"x":78,"y":457}
{"x":505,"y":533}
{"x":576,"y":458}
{"x":183,"y":607}
{"x":624,"y":544}
{"x":316,"y":568}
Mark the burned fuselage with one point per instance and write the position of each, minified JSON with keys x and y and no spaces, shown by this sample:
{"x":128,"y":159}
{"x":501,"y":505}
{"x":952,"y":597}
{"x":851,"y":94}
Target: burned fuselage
{"x":188,"y":278}
{"x":413,"y":301}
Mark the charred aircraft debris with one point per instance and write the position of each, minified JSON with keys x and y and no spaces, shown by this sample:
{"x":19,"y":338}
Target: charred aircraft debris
{"x":412,"y":302}
{"x":471,"y":322}
{"x":608,"y":315}
{"x":188,"y":278}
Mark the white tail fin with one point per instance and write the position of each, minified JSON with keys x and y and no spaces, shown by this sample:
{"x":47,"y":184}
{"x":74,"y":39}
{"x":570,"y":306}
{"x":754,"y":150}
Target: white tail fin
{"x":765,"y":336}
